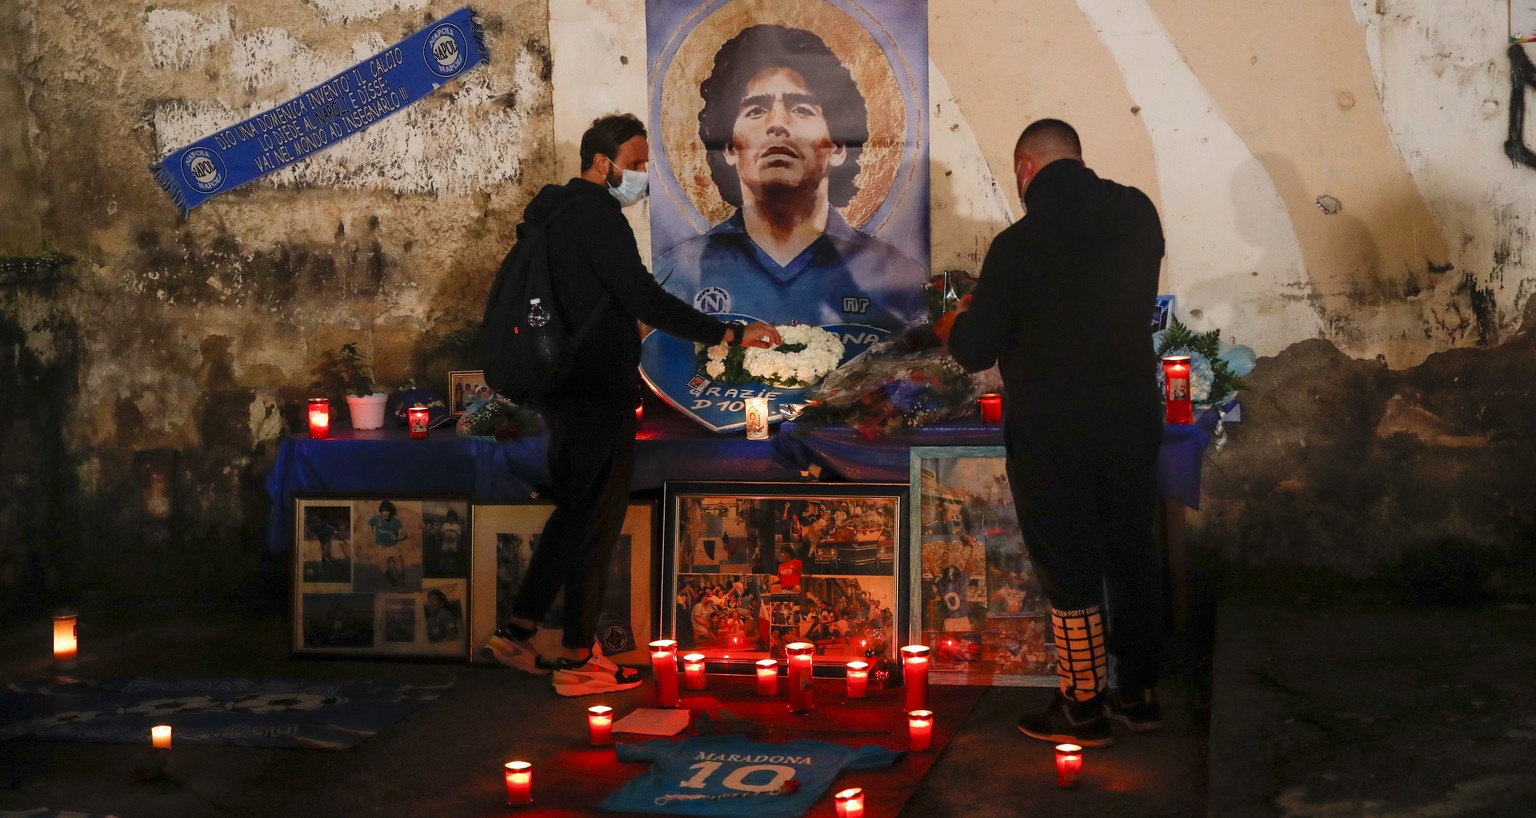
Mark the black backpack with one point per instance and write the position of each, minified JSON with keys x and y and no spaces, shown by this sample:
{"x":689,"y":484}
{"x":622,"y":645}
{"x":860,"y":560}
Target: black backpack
{"x":522,"y":361}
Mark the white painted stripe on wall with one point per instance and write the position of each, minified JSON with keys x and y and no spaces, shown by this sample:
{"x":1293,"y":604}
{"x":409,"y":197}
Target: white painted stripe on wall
{"x":969,"y":204}
{"x":1444,"y":82}
{"x":587,"y":38}
{"x":1232,"y":250}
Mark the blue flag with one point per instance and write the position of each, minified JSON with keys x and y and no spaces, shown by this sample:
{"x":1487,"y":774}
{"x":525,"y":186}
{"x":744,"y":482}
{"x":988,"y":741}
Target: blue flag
{"x":324,"y":115}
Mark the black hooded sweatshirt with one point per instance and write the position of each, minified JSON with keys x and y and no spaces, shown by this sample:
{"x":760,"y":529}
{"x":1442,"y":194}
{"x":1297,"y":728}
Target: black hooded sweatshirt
{"x":1066,"y":294}
{"x":596,"y":265}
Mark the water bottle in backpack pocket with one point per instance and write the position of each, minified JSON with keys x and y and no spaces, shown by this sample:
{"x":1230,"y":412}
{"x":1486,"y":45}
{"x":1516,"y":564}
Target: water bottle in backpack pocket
{"x":526,"y":347}
{"x":546,"y":346}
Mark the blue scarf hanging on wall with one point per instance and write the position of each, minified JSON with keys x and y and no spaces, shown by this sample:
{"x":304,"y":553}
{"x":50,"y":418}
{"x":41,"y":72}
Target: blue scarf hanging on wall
{"x":324,"y":115}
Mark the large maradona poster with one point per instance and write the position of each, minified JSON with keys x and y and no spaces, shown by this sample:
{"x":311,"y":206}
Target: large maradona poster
{"x":789,"y":182}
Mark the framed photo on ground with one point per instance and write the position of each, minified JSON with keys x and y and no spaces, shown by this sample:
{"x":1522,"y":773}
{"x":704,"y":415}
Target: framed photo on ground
{"x":381,"y":576}
{"x":505,"y":535}
{"x":975,"y":601}
{"x":465,"y":386}
{"x":751,"y":567}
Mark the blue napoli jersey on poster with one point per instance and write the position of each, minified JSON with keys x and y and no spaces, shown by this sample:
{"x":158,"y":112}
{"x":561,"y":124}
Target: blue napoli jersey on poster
{"x":669,"y":366}
{"x":739,"y":165}
{"x":728,"y":776}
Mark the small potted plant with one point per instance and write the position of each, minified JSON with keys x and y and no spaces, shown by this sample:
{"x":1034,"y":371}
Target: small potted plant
{"x":365,"y":405}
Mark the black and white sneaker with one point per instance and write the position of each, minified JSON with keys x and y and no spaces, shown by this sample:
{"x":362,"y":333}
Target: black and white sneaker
{"x":1070,"y":722}
{"x":515,"y":650}
{"x":598,"y":674}
{"x":1136,"y":709}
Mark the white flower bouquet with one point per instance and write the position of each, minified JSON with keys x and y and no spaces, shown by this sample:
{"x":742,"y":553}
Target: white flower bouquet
{"x":806,"y":356}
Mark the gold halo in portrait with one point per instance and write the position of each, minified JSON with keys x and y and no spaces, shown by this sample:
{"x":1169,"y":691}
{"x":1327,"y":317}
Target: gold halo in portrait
{"x":680,"y":100}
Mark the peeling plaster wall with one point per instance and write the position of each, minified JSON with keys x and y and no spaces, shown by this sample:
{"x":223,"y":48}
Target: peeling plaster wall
{"x":1248,"y":126}
{"x":1345,"y":464}
{"x":599,"y":56}
{"x":1396,"y":109}
{"x":21,"y":230}
{"x":188,"y":343}
{"x":199,"y":337}
{"x":1334,"y":188}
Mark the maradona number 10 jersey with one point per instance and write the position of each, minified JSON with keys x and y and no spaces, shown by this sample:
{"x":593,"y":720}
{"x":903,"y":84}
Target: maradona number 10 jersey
{"x":728,"y":776}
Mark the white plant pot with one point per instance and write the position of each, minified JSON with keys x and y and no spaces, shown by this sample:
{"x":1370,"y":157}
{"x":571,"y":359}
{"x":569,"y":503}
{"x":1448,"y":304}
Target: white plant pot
{"x":367,"y":410}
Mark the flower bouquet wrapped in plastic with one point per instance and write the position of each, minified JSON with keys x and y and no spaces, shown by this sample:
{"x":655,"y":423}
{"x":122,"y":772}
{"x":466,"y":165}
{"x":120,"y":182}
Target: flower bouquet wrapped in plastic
{"x":908,"y":380}
{"x":1216,"y":371}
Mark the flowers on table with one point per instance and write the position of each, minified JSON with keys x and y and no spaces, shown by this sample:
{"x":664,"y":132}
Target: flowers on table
{"x":1211,"y":378}
{"x":907,"y":380}
{"x":806,"y":356}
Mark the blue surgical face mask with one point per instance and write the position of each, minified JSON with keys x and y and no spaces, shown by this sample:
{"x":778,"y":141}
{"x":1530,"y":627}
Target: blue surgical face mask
{"x":631,"y":188}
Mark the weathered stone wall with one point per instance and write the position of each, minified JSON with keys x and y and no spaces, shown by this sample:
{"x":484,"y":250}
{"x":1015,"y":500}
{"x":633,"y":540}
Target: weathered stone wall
{"x":1334,"y":189}
{"x":193,"y":341}
{"x":1345,"y":464}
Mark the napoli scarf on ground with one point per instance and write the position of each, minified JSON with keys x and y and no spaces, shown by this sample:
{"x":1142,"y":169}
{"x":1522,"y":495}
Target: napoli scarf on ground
{"x":324,"y":115}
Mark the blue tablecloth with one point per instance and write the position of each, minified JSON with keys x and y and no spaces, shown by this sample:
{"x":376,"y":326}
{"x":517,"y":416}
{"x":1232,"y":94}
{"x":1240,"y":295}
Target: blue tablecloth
{"x":387,"y":461}
{"x":669,"y":447}
{"x":842,"y":451}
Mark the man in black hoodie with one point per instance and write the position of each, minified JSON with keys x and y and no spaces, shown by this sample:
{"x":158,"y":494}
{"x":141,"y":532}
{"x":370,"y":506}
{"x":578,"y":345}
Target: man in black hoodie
{"x":1061,"y":308}
{"x":595,"y":265}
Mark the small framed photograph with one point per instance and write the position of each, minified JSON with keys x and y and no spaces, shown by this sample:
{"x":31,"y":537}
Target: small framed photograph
{"x":975,"y":601}
{"x":465,"y":386}
{"x":381,"y":576}
{"x":751,"y":567}
{"x":505,"y":535}
{"x":1162,"y":313}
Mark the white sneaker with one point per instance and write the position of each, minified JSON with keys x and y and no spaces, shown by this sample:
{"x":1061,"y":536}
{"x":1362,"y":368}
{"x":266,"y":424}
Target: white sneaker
{"x":596,"y":675}
{"x":515,"y":653}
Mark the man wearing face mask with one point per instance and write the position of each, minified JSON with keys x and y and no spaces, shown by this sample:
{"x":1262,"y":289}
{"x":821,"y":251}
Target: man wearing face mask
{"x":1060,"y":309}
{"x":595,"y":265}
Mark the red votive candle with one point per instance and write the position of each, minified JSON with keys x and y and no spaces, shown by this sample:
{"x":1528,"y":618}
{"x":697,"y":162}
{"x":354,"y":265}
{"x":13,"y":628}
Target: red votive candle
{"x":160,"y":737}
{"x":319,"y":418}
{"x":858,"y":680}
{"x":65,"y":644}
{"x":991,"y":407}
{"x":767,"y":677}
{"x":639,"y":415}
{"x":920,"y":729}
{"x":417,"y":418}
{"x":664,"y":668}
{"x":693,"y":671}
{"x":914,"y":675}
{"x":600,"y":724}
{"x":519,"y":783}
{"x":1176,"y":394}
{"x":801,"y":657}
{"x":1069,"y":765}
{"x":850,"y":803}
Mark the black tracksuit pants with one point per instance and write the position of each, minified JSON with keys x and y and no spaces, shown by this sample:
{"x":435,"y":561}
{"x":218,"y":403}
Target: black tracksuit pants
{"x":591,"y":460}
{"x":1084,"y":484}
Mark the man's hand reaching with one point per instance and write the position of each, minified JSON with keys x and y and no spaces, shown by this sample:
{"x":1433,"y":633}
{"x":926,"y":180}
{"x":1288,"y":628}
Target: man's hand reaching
{"x":756,"y":334}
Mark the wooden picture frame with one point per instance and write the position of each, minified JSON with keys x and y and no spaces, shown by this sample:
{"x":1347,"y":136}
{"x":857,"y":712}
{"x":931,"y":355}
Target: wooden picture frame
{"x":381,"y":576}
{"x":974,"y":601}
{"x":463,"y":386}
{"x":750,"y":567}
{"x":504,"y":536}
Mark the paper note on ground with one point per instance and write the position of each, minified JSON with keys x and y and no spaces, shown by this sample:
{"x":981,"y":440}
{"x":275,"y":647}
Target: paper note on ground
{"x":653,"y":722}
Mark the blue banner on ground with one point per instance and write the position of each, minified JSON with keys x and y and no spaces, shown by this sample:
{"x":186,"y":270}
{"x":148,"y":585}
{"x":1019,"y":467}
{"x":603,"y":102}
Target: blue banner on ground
{"x":324,"y":115}
{"x":244,"y":712}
